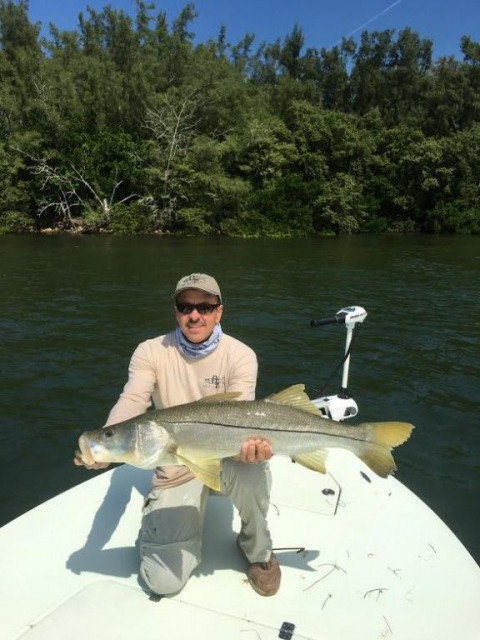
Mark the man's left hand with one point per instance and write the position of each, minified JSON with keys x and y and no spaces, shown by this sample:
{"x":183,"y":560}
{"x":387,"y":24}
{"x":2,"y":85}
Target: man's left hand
{"x":255,"y":450}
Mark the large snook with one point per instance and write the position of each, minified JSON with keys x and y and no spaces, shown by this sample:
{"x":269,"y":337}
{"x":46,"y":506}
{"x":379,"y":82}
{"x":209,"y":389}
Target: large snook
{"x":200,"y":434}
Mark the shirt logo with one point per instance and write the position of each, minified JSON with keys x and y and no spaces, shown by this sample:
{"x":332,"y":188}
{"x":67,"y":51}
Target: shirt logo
{"x":215,"y":381}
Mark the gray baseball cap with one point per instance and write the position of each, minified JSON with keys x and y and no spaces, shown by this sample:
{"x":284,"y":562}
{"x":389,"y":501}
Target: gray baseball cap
{"x":200,"y":281}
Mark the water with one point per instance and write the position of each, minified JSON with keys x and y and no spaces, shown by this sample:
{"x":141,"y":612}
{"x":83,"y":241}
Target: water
{"x":74,"y":308}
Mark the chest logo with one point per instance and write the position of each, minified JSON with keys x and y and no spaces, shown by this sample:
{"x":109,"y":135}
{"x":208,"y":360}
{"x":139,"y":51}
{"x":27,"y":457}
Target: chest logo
{"x":215,"y":381}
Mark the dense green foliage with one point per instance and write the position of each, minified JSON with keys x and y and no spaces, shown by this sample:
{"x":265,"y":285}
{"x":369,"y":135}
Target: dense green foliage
{"x":125,"y":125}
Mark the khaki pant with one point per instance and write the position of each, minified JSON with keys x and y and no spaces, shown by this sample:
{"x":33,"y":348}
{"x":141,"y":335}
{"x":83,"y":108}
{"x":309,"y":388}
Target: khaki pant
{"x":171,"y":533}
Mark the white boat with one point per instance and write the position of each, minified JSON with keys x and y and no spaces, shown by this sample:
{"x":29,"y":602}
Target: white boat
{"x":362,"y":558}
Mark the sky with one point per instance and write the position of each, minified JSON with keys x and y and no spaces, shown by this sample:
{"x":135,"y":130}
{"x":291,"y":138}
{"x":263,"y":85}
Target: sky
{"x":323,"y":22}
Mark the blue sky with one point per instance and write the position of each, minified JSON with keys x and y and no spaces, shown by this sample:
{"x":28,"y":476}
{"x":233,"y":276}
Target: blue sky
{"x":323,"y":22}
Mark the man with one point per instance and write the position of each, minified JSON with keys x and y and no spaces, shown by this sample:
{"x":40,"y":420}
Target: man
{"x":194,"y":361}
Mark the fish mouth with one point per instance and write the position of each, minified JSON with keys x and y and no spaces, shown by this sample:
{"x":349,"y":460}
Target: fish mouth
{"x":85,"y":451}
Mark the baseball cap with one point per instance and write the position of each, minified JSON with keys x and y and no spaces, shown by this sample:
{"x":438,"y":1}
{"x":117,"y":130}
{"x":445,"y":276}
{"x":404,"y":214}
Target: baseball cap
{"x":200,"y":281}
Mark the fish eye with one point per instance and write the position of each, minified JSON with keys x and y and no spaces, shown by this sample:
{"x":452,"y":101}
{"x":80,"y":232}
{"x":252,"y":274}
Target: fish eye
{"x":108,"y":433}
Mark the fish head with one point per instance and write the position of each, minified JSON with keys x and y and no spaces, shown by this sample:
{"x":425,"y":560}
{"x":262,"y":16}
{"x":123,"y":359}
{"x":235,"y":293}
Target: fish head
{"x":140,"y":445}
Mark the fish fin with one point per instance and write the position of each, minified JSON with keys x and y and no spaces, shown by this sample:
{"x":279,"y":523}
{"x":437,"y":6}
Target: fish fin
{"x":314,"y":460}
{"x":379,"y":459}
{"x":220,"y":397}
{"x":381,"y":438}
{"x":294,"y":396}
{"x":205,"y":469}
{"x":387,"y":434}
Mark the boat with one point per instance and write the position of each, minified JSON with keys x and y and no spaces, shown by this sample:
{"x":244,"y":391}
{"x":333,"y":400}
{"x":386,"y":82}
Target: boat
{"x":362,"y":558}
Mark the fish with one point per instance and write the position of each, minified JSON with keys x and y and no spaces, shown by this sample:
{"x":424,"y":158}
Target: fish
{"x":200,"y":434}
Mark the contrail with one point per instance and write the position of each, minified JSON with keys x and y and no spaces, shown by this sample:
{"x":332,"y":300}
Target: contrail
{"x":375,"y":17}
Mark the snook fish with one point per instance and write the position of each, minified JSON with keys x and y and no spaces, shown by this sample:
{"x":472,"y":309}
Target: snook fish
{"x":200,"y":434}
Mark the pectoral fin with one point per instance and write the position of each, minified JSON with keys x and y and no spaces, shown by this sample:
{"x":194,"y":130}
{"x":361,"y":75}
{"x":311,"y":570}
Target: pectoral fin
{"x":314,"y":460}
{"x":205,"y":469}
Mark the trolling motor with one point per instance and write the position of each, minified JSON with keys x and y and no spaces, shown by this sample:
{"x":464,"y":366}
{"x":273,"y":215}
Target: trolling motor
{"x":341,"y":406}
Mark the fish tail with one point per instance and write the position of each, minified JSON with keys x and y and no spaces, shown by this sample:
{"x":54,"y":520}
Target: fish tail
{"x":390,"y":434}
{"x":380,"y":439}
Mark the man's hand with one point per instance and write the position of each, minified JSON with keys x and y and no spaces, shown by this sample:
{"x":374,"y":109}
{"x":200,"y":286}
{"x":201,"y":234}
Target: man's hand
{"x":95,"y":466}
{"x":255,"y":450}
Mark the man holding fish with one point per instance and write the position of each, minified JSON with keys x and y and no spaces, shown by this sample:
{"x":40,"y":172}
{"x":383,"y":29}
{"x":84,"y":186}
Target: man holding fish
{"x":193,"y":362}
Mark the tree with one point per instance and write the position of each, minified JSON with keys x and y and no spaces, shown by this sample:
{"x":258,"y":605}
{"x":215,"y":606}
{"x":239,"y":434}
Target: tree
{"x":70,"y":199}
{"x":16,"y":194}
{"x":333,"y":75}
{"x":289,"y":56}
{"x":172,"y":124}
{"x":371,"y":60}
{"x":20,"y":57}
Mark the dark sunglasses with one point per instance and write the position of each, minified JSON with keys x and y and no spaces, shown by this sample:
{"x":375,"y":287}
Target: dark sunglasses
{"x":204,"y":308}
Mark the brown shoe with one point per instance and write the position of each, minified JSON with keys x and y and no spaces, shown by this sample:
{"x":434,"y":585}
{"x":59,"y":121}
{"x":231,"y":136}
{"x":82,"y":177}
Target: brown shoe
{"x":264,"y":577}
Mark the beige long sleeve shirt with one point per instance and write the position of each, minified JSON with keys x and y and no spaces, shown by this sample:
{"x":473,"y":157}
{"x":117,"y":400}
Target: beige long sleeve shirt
{"x":159,"y":374}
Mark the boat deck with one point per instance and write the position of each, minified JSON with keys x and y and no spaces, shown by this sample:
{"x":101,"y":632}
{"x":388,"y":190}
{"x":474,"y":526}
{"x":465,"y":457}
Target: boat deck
{"x":366,"y":560}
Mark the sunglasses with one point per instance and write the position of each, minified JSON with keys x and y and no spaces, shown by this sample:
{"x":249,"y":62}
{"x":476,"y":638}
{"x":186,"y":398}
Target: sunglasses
{"x":203,"y":308}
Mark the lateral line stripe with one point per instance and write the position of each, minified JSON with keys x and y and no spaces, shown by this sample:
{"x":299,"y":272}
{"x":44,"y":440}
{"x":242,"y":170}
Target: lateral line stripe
{"x":234,"y":426}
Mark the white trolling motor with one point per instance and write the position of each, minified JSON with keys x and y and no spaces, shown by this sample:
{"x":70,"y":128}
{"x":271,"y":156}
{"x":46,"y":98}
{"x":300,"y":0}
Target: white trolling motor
{"x":341,"y":406}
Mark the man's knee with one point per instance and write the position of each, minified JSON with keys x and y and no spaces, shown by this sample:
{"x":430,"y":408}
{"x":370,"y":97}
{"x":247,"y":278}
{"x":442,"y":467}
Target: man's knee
{"x":161,"y":580}
{"x":167,"y":570}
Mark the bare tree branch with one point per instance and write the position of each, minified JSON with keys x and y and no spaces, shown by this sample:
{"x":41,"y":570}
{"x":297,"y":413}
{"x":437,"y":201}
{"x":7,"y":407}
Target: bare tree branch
{"x":66,"y":185}
{"x":173,"y":125}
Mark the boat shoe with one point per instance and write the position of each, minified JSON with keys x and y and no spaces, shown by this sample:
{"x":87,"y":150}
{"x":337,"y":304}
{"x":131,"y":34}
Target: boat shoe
{"x":264,"y":577}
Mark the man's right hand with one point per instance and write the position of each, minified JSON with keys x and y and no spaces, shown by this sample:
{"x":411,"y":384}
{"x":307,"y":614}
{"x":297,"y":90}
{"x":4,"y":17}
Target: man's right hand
{"x":94,"y":467}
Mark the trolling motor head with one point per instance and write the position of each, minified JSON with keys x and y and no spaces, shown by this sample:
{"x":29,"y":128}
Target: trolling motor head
{"x":350,"y":316}
{"x":341,"y":406}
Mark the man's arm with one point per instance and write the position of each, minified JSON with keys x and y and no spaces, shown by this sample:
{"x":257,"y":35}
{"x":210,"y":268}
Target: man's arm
{"x":135,"y":397}
{"x":243,"y":372}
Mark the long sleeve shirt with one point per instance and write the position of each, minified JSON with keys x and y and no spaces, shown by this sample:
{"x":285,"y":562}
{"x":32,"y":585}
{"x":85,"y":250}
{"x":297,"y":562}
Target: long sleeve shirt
{"x":159,"y":374}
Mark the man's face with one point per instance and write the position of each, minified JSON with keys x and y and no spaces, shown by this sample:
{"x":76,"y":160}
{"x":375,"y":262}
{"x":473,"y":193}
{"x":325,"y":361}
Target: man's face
{"x":196,"y":326}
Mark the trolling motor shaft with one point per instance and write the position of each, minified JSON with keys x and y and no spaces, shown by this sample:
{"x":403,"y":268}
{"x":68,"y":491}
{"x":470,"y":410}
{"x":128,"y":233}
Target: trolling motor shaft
{"x":341,"y":406}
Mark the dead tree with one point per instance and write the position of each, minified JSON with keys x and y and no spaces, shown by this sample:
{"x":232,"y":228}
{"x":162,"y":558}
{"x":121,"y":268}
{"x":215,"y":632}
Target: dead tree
{"x":173,"y":124}
{"x":66,"y":186}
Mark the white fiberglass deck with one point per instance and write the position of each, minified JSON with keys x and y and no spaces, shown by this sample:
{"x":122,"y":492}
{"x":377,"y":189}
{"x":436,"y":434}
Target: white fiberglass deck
{"x":377,"y":563}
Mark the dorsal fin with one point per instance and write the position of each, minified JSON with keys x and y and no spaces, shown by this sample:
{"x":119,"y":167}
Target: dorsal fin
{"x":294,"y":396}
{"x":227,"y":396}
